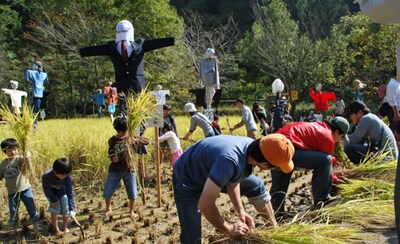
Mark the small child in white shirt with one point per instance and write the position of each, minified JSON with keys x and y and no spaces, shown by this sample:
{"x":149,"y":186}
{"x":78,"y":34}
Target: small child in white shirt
{"x":173,"y":142}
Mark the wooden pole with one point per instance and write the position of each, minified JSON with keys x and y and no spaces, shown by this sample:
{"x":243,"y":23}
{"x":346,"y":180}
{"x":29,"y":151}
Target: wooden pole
{"x":158,"y":167}
{"x":141,"y":169}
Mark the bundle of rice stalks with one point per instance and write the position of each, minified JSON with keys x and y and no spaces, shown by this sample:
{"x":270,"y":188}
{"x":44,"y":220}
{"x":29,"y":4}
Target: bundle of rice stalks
{"x":375,"y":165}
{"x":367,"y":188}
{"x":21,"y":125}
{"x":363,"y":212}
{"x":140,"y":107}
{"x":305,"y":233}
{"x":338,"y":152}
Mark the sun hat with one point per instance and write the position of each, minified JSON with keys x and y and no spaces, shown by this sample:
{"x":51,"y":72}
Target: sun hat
{"x":341,"y":123}
{"x":190,"y":108}
{"x":357,"y":84}
{"x":278,"y":151}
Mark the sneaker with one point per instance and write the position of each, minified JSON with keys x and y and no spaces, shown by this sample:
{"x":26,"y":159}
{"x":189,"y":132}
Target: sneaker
{"x":321,"y":203}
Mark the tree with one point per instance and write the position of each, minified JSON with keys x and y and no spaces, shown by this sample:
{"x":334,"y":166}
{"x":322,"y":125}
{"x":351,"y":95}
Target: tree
{"x":364,"y":50}
{"x":280,"y":51}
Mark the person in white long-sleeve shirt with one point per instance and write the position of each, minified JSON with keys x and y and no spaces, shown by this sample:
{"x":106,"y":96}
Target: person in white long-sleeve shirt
{"x":391,"y":104}
{"x":173,"y":142}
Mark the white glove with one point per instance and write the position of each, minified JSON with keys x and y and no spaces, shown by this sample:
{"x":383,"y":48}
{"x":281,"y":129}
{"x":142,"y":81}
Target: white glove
{"x":72,"y":214}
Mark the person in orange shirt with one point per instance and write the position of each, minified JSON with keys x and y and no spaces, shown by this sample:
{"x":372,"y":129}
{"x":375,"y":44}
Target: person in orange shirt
{"x":112,"y":96}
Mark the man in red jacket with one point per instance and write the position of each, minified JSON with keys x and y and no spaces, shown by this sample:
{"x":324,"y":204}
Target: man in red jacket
{"x":314,"y":144}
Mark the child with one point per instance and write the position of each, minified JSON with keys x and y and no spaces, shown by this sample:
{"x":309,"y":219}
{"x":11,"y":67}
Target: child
{"x":17,"y":184}
{"x":120,"y":167}
{"x":215,"y":123}
{"x":173,"y":142}
{"x":57,"y":187}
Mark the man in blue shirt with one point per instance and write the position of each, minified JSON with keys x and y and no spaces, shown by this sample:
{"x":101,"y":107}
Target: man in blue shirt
{"x":224,"y":164}
{"x":38,"y":78}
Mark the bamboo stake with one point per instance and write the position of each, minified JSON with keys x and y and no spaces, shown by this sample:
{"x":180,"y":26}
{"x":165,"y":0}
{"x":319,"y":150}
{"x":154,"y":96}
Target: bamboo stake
{"x":158,"y":166}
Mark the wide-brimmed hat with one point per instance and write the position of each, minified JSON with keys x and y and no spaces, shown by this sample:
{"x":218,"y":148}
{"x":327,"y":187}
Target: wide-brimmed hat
{"x":190,"y":108}
{"x":278,"y":151}
{"x":357,"y":84}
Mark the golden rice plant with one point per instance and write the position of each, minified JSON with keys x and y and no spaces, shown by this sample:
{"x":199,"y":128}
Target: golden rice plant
{"x":375,"y":165}
{"x":21,"y":126}
{"x":140,"y":107}
{"x":367,"y":188}
{"x":361,"y":212}
{"x":302,"y":232}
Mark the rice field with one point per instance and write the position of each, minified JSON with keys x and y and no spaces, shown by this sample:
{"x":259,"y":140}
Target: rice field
{"x":367,"y":201}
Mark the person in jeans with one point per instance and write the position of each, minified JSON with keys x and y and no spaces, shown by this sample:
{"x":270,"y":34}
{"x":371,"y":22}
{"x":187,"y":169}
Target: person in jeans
{"x":247,"y":120}
{"x":370,"y":135}
{"x":198,"y":119}
{"x":13,"y":169}
{"x":224,"y":164}
{"x":314,"y":143}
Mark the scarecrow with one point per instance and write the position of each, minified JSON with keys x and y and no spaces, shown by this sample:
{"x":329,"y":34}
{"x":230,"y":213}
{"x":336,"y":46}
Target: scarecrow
{"x":38,"y":78}
{"x":127,"y":56}
{"x":15,"y":96}
{"x":209,"y":76}
{"x":321,"y":98}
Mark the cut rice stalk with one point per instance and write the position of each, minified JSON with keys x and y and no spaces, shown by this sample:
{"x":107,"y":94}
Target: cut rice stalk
{"x":306,"y":233}
{"x":22,"y":127}
{"x":375,"y":165}
{"x":367,"y":188}
{"x":362,"y":212}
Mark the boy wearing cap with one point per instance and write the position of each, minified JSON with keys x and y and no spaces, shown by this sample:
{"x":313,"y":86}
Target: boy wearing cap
{"x":371,"y":134}
{"x":247,"y":120}
{"x":224,"y":164}
{"x":197,"y":119}
{"x":314,"y":143}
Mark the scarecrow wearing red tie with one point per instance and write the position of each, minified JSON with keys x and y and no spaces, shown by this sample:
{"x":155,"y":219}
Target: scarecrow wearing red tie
{"x":127,"y":56}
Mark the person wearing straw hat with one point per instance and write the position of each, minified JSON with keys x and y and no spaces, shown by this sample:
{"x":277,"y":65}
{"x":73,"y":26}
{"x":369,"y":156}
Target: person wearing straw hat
{"x":314,"y":144}
{"x":370,"y":135}
{"x":358,"y":85}
{"x":197,"y":119}
{"x":224,"y":164}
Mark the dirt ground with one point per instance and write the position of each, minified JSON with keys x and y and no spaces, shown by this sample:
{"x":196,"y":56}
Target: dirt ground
{"x":155,"y":224}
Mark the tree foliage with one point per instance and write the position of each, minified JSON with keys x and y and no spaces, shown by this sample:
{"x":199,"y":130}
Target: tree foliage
{"x":363,"y":50}
{"x":279,"y":50}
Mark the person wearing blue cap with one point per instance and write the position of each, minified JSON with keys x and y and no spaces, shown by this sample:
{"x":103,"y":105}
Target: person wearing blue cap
{"x":279,"y":115}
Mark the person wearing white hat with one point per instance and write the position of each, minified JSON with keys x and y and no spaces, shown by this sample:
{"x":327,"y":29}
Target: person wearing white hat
{"x":209,"y":75}
{"x":127,"y":56}
{"x":197,"y":119}
{"x":15,"y":96}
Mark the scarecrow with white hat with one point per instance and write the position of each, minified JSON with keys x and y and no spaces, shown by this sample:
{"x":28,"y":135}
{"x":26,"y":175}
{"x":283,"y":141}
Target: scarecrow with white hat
{"x":127,"y":56}
{"x":15,"y":96}
{"x":209,"y":75}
